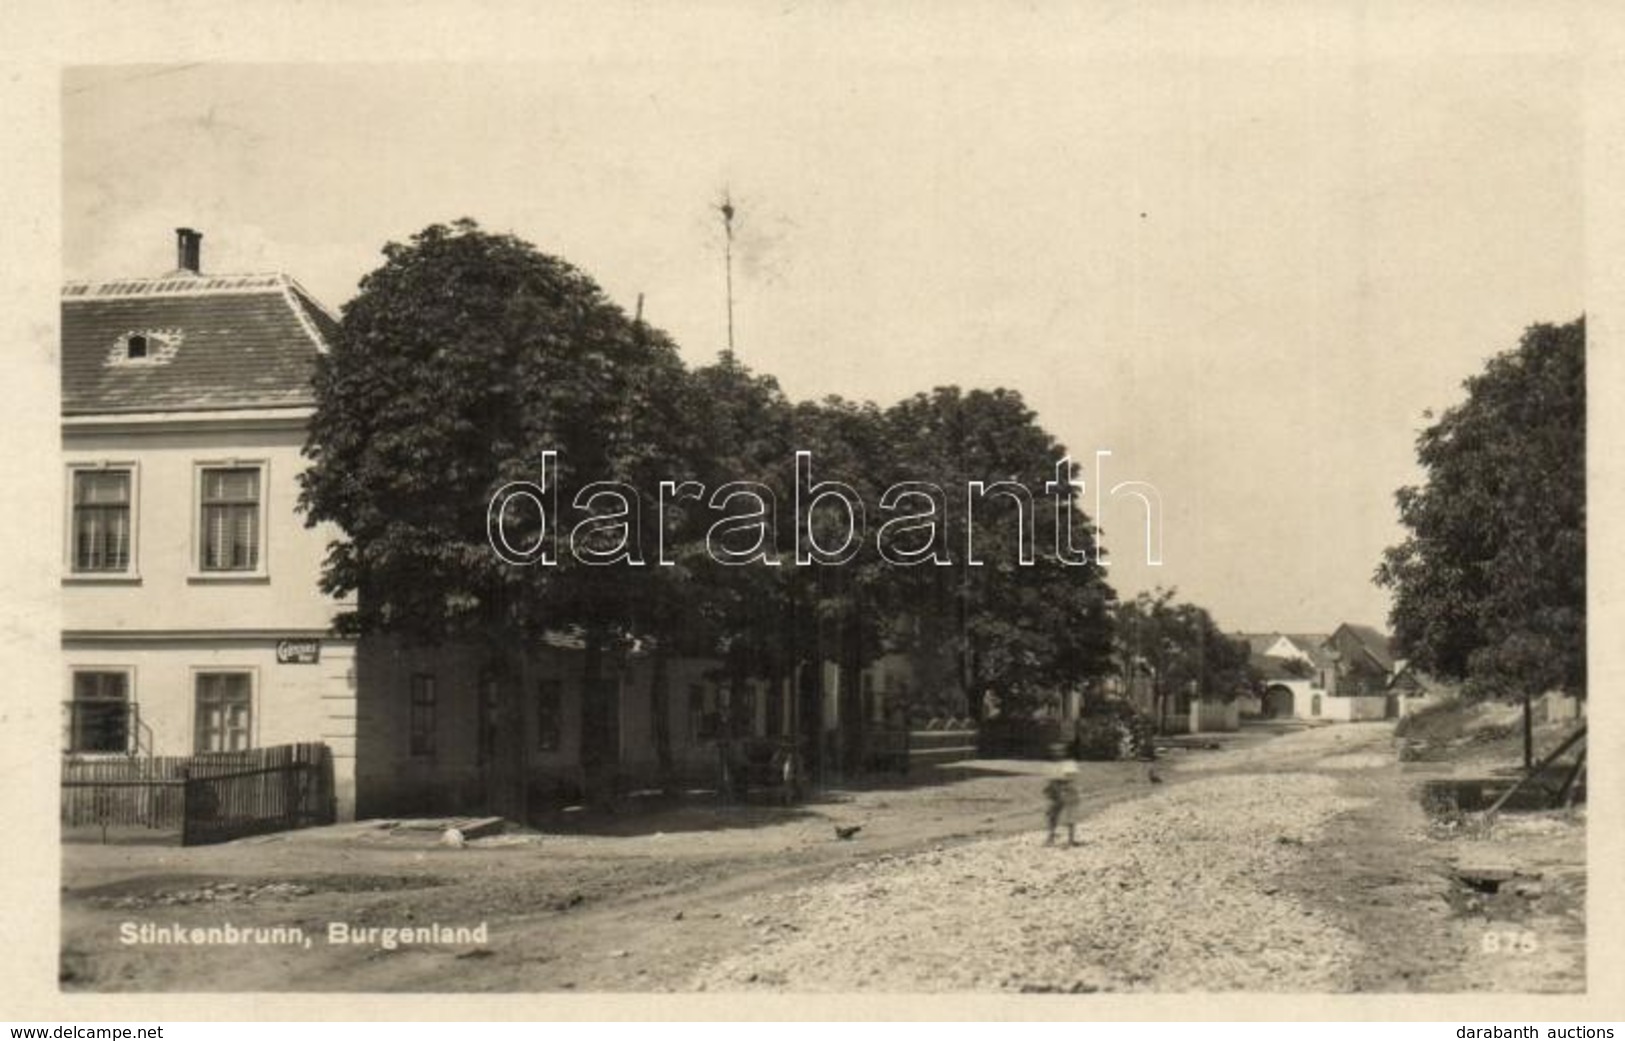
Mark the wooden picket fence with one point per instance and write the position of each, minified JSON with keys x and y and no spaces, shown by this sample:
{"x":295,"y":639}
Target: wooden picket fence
{"x":123,"y":792}
{"x":209,"y":797}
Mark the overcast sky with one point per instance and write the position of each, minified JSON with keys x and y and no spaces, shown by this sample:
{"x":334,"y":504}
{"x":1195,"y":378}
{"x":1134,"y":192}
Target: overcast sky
{"x":1245,"y":273}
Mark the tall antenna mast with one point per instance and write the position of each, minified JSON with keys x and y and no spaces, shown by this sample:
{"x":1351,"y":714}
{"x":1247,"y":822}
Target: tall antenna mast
{"x":726,"y":208}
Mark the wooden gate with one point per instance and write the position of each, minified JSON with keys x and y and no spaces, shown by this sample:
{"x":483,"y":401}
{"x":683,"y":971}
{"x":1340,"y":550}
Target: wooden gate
{"x":264,"y":790}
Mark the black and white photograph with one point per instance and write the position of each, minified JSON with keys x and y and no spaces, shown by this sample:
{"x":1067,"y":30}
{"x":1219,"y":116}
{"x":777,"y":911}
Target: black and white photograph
{"x":1080,"y":501}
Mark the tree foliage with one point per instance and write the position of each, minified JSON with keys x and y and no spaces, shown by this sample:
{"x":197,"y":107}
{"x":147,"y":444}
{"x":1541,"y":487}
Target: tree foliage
{"x":1179,"y":648}
{"x":467,"y":355}
{"x":462,"y":359}
{"x":1016,"y":631}
{"x":1489,"y":585}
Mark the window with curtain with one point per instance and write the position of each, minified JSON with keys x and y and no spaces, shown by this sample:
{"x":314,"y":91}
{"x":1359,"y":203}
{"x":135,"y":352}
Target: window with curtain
{"x":230,"y":524}
{"x":224,"y":711}
{"x":101,"y":520}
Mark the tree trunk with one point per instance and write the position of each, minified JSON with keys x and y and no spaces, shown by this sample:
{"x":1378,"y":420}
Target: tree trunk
{"x":1528,"y":733}
{"x":964,"y":655}
{"x":735,"y":763}
{"x":660,"y":715}
{"x":854,"y":721}
{"x":810,"y":718}
{"x":596,"y":720}
{"x":505,"y":789}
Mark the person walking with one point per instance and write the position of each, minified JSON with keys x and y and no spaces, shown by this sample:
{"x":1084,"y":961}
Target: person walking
{"x":1061,"y":803}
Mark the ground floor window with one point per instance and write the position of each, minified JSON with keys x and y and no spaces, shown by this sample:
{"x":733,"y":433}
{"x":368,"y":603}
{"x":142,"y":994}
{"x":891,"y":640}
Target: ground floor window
{"x":485,"y":736}
{"x":224,"y":711}
{"x":549,"y":707}
{"x":704,"y":719}
{"x":758,"y":709}
{"x":99,"y":714}
{"x":423,"y":711}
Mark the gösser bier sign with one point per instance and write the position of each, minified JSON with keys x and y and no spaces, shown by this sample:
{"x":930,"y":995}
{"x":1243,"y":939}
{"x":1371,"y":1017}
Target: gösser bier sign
{"x":298,"y":652}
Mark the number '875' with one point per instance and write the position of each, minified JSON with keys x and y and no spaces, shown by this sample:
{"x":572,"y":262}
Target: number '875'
{"x":1508,"y":942}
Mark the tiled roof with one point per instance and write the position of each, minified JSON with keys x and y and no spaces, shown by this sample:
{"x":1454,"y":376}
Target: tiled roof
{"x":218,"y":342}
{"x":1276,"y":668}
{"x":1258,"y":643}
{"x":1408,"y":676}
{"x":1375,"y":641}
{"x":1309,"y":643}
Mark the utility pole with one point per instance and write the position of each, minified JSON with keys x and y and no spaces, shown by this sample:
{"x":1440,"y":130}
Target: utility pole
{"x":726,"y":208}
{"x":1528,"y":733}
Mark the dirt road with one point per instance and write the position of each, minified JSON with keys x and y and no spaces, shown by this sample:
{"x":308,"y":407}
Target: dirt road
{"x":1280,"y":863}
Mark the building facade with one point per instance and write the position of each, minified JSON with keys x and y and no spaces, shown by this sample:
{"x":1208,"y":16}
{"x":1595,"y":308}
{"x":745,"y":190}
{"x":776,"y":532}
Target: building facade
{"x":433,"y":725}
{"x":193,"y":619}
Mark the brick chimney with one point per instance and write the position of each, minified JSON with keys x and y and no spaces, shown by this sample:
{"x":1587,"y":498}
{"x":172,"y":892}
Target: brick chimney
{"x":188,"y":250}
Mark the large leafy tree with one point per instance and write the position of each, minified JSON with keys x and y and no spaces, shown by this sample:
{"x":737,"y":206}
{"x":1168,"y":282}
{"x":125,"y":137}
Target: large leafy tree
{"x":738,"y":610}
{"x":464,"y":358}
{"x":998,"y":626}
{"x":468,"y":355}
{"x":843,"y":612}
{"x":782,"y":621}
{"x":1489,"y":585}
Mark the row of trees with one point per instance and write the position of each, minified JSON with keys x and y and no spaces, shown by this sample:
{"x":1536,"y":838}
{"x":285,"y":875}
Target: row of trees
{"x":468,"y":355}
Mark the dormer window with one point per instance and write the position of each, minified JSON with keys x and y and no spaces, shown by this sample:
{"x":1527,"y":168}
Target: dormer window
{"x":145,"y":347}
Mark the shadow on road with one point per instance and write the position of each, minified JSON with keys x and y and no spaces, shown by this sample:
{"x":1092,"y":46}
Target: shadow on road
{"x":708,"y":810}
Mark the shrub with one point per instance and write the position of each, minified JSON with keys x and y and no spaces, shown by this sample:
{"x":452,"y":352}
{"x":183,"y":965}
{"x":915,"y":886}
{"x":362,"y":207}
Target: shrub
{"x":1430,"y":718}
{"x":1017,"y":737}
{"x":1113,"y":730}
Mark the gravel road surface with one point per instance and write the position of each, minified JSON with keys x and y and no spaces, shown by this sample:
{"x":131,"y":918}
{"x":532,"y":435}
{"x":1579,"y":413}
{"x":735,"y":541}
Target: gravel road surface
{"x":1177,"y":891}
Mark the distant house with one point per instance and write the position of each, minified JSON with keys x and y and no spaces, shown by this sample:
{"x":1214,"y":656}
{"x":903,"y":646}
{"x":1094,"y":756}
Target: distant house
{"x":1292,"y":668}
{"x":1361,"y":662}
{"x":1411,"y":689}
{"x":1347,"y":674}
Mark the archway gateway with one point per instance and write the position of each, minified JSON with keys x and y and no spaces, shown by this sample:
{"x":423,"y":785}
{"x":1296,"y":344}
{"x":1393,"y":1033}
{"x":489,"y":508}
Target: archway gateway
{"x":1278,"y":701}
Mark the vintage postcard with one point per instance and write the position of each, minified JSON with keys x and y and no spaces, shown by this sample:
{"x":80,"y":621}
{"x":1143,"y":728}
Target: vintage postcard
{"x":1075,"y":511}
